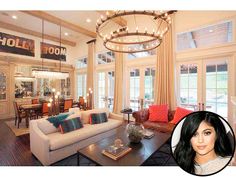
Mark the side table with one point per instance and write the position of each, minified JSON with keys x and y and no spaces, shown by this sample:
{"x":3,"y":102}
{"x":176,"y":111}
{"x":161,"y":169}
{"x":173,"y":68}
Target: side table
{"x":127,"y":112}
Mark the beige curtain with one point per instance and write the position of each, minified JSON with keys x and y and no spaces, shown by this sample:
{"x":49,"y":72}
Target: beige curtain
{"x":118,"y":92}
{"x":164,"y":81}
{"x":90,"y":70}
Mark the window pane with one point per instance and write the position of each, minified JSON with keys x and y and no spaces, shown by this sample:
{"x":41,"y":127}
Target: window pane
{"x":193,"y":81}
{"x":217,"y":88}
{"x":105,"y":58}
{"x":81,"y":63}
{"x":222,"y":96}
{"x":211,"y":95}
{"x":211,"y":106}
{"x":210,"y":80}
{"x":222,"y":80}
{"x":222,"y":109}
{"x":207,"y":36}
{"x":184,"y":82}
{"x":193,"y":96}
{"x":134,"y":88}
{"x":184,"y":96}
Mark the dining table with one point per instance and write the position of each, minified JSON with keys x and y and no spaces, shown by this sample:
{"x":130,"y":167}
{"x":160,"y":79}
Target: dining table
{"x":29,"y":109}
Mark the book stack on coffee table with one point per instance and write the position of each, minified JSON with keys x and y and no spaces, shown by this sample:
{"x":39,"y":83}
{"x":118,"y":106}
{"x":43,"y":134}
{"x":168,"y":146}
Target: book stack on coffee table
{"x":116,"y":153}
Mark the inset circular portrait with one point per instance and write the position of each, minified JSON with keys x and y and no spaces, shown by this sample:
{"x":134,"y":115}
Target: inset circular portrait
{"x":203,"y":143}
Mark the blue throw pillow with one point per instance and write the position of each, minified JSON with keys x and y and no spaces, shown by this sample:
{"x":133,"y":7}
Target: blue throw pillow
{"x":97,"y":118}
{"x":58,"y":119}
{"x":70,"y":125}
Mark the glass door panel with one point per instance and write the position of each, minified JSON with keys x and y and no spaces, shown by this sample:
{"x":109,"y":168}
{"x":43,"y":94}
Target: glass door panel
{"x":134,"y":88}
{"x":188,"y":86}
{"x":217,"y":88}
{"x":149,"y":87}
{"x":101,"y":89}
{"x":111,"y":88}
{"x":106,"y":85}
{"x":81,"y":85}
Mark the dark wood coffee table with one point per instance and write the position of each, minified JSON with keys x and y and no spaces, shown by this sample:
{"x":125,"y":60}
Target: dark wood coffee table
{"x":136,"y":157}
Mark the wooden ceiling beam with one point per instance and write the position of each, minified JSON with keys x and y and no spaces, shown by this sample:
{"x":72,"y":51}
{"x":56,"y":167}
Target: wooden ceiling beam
{"x":120,"y":21}
{"x":34,"y":33}
{"x":50,"y":18}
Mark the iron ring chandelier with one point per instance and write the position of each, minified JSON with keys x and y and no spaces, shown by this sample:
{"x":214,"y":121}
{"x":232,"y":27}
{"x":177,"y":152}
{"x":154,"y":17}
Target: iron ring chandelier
{"x":133,"y":38}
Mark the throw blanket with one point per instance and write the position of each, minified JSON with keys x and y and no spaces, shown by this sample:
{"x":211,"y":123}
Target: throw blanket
{"x":58,"y":119}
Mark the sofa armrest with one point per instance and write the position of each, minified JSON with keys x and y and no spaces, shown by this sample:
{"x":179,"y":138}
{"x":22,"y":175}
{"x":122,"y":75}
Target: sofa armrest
{"x":116,"y":116}
{"x":39,"y":143}
{"x":141,"y":116}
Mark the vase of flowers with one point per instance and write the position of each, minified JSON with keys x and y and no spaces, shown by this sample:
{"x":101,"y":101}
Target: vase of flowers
{"x":135,"y":132}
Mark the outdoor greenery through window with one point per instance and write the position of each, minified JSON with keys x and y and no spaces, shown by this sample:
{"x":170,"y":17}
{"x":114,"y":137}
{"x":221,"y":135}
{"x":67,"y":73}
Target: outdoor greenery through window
{"x":106,"y":57}
{"x":216,"y":34}
{"x":81,"y":63}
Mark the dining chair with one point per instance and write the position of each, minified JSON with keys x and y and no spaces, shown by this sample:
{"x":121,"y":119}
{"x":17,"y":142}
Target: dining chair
{"x":19,"y":114}
{"x":45,"y":109}
{"x":35,"y":101}
{"x":81,"y":103}
{"x":67,"y":105}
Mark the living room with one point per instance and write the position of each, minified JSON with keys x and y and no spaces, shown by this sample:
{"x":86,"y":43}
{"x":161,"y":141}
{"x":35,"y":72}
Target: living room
{"x":62,"y":63}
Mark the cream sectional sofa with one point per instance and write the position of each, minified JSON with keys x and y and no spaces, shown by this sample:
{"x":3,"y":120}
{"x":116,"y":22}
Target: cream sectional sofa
{"x":50,"y":146}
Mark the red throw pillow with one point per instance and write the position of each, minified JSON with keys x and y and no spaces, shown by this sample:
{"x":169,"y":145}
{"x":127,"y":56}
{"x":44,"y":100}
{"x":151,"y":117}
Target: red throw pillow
{"x":179,"y":114}
{"x":158,"y":113}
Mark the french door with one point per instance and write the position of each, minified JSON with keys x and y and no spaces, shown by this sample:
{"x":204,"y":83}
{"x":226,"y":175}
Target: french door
{"x":140,"y":86}
{"x":105,"y":92}
{"x":204,"y":85}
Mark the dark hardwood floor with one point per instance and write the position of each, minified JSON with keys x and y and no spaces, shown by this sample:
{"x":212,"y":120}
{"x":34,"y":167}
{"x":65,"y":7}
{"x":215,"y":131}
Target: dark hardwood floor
{"x":15,"y":151}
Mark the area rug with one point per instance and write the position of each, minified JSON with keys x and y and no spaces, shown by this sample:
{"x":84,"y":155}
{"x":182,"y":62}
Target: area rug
{"x":22,"y":130}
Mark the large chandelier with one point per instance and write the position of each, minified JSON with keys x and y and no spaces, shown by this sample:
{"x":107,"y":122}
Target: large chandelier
{"x":144,"y":30}
{"x":43,"y":73}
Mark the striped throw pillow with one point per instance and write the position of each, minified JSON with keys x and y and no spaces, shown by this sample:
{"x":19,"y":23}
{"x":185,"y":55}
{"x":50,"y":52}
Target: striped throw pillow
{"x":70,"y":125}
{"x":97,"y":118}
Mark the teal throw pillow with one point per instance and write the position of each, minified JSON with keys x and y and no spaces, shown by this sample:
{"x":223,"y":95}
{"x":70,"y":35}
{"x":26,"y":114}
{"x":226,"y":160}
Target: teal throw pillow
{"x":70,"y":125}
{"x":97,"y":118}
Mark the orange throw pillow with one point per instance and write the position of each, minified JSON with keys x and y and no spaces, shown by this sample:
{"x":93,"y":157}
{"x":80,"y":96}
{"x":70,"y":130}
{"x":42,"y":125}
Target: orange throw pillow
{"x":180,"y":113}
{"x":158,"y":113}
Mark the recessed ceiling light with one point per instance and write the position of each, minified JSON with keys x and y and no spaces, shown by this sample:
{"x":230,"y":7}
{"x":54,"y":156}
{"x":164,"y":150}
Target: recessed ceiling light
{"x":66,"y":34}
{"x":14,"y":17}
{"x":210,"y":31}
{"x":88,"y":20}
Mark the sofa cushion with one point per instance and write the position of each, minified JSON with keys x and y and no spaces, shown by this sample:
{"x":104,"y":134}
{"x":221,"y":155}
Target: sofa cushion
{"x":46,"y":127}
{"x":158,"y":113}
{"x":85,"y":115}
{"x":179,"y":114}
{"x":72,"y":116}
{"x":97,"y":118}
{"x":159,"y":126}
{"x":70,"y":125}
{"x":58,"y":140}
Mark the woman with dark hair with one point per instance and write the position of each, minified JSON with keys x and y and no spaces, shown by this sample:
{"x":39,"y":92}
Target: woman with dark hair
{"x":204,"y":147}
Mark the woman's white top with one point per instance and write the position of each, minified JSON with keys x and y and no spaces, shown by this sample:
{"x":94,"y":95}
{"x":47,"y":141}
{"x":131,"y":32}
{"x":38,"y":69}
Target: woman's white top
{"x":211,"y":166}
